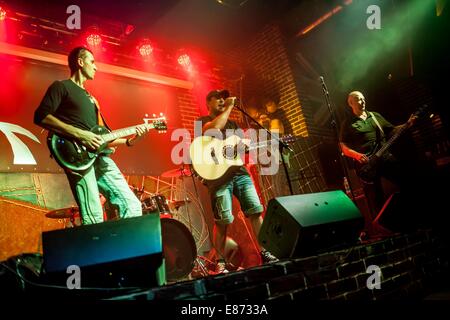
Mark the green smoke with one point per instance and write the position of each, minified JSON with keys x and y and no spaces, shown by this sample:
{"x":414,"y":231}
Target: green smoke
{"x":399,"y":20}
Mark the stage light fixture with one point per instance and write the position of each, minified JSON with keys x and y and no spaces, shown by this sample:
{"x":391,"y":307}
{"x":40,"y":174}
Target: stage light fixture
{"x":129,"y":29}
{"x":184,"y":60}
{"x":145,"y":48}
{"x":93,"y":37}
{"x":2,"y":14}
{"x":93,"y":40}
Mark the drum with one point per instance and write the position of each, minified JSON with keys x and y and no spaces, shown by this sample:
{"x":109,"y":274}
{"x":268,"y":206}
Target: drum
{"x":155,"y":203}
{"x":179,"y":249}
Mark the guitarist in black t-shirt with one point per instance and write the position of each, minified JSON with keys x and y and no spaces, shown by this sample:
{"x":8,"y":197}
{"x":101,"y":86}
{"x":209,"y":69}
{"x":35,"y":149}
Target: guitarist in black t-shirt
{"x":363,"y":138}
{"x":68,"y":110}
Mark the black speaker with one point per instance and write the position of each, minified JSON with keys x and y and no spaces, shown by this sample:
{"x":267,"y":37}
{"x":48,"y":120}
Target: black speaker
{"x":304,"y":224}
{"x":112,"y":254}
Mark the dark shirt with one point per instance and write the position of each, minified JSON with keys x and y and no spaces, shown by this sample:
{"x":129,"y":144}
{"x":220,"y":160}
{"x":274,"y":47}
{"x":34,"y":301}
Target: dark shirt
{"x":242,"y":170}
{"x":229,"y":125}
{"x":69,"y":103}
{"x":364,"y":135}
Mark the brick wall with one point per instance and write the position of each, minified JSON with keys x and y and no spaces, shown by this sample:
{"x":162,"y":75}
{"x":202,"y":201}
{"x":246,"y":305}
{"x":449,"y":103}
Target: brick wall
{"x":269,"y":76}
{"x":188,"y":109}
{"x":264,"y":73}
{"x":269,"y":57}
{"x":410,"y":265}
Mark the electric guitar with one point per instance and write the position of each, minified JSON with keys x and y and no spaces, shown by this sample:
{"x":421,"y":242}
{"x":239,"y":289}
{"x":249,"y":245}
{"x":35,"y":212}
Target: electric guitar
{"x":71,"y":154}
{"x":368,"y":172}
{"x":214,"y":158}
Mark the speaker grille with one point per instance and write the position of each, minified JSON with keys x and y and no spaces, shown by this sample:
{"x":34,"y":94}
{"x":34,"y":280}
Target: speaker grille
{"x":303,"y":224}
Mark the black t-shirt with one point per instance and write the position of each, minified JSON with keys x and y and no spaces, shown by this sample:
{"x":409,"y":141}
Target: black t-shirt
{"x":69,"y":103}
{"x":242,"y":170}
{"x":363,"y":135}
{"x":229,"y":125}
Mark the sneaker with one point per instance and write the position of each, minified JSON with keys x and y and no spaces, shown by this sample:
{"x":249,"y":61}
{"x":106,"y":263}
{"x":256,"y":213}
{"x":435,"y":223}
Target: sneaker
{"x":267,"y":257}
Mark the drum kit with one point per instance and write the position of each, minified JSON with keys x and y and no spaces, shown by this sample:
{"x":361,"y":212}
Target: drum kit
{"x":179,"y":245}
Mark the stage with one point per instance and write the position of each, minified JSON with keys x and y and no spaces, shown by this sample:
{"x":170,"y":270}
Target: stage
{"x":338,"y":163}
{"x":409,"y":267}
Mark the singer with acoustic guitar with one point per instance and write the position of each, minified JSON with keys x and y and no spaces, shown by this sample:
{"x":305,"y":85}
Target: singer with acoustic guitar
{"x":235,"y":182}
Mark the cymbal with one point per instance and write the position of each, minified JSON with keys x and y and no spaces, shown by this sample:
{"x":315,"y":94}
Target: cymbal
{"x":176,"y":173}
{"x":179,"y":203}
{"x":62,"y":213}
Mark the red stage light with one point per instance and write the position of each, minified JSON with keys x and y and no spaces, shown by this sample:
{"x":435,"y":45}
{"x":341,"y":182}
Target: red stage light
{"x":94,"y":40}
{"x":145,"y":50}
{"x":184,"y":60}
{"x":2,"y":14}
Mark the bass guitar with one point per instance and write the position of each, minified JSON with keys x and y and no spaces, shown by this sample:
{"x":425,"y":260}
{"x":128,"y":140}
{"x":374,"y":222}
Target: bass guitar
{"x":369,"y":171}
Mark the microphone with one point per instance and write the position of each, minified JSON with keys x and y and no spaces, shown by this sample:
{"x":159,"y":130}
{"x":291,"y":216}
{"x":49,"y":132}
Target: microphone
{"x":322,"y":81}
{"x":324,"y":86}
{"x":236,"y":102}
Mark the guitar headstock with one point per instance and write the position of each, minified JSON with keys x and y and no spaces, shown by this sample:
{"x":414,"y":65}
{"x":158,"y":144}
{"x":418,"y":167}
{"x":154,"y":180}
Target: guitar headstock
{"x":157,"y":122}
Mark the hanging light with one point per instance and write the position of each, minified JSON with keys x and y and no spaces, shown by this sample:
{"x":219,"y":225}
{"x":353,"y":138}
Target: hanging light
{"x":145,"y":48}
{"x":184,"y":60}
{"x":2,"y":14}
{"x":93,"y":37}
{"x":94,"y":40}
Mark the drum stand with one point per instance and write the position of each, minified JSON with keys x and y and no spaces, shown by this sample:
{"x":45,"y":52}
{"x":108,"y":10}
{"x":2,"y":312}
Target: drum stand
{"x":201,"y":263}
{"x":200,"y":266}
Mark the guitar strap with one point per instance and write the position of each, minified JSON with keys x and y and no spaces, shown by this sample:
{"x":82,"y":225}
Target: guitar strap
{"x":100,"y":120}
{"x":378,"y":124}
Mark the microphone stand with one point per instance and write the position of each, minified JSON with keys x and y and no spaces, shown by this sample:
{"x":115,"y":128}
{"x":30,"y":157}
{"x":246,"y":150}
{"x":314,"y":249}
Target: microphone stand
{"x":280,"y":143}
{"x":336,"y":132}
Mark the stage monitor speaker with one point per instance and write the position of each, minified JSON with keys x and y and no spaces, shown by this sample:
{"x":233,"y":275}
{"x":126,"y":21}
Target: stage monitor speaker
{"x":299,"y":225}
{"x":112,"y":254}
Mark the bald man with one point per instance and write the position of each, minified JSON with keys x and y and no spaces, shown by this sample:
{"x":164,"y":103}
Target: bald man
{"x":361,"y":136}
